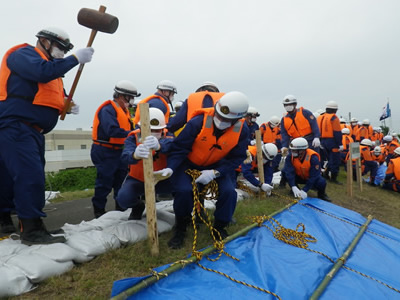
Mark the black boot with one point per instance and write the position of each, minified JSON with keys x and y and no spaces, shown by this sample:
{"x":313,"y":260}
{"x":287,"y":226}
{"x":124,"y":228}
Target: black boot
{"x":117,"y":207}
{"x":6,"y":223}
{"x":220,"y":227}
{"x":137,"y":211}
{"x":334,"y":179}
{"x":323,"y":196}
{"x":33,"y":232}
{"x":178,"y":239}
{"x":98,"y":212}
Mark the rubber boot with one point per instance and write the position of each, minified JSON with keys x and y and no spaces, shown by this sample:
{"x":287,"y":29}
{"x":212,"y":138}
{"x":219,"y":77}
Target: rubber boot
{"x":176,"y":242}
{"x":334,"y":179}
{"x":137,"y":211}
{"x":98,"y":212}
{"x":6,"y":223}
{"x":323,"y":196}
{"x":33,"y":232}
{"x":220,"y":227}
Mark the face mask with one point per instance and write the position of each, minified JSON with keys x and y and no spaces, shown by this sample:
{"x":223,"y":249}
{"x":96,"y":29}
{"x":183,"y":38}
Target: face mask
{"x":171,"y":97}
{"x":295,"y":154}
{"x":253,"y":119}
{"x":157,"y":135}
{"x":221,"y":125}
{"x":264,"y":161}
{"x":289,"y":108}
{"x":56,"y":53}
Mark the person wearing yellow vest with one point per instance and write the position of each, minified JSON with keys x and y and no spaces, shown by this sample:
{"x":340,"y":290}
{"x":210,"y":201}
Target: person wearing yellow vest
{"x":31,"y":100}
{"x":302,"y":166}
{"x":111,"y":125}
{"x":213,"y":142}
{"x":392,"y":176}
{"x":205,"y":96}
{"x":162,"y":99}
{"x":298,"y":122}
{"x":135,"y":149}
{"x":331,"y":140}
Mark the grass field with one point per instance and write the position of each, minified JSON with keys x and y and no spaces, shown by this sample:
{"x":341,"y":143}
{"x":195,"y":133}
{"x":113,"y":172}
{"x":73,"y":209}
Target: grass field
{"x":93,"y":280}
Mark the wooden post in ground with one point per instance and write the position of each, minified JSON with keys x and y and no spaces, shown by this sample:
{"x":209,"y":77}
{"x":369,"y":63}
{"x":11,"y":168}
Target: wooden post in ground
{"x":350,"y":177}
{"x":260,"y":164}
{"x":149,"y":184}
{"x":358,"y":172}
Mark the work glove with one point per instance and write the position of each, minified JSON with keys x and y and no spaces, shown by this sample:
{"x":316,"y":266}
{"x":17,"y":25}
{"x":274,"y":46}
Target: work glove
{"x":284,"y":151}
{"x":316,"y":143}
{"x":249,"y":158}
{"x":84,"y":55}
{"x":266,"y":187}
{"x":75,"y":109}
{"x":205,"y":177}
{"x":341,"y":148}
{"x":163,"y":174}
{"x":141,"y":152}
{"x":151,"y":142}
{"x":303,"y":194}
{"x":252,"y":142}
{"x":296,"y":192}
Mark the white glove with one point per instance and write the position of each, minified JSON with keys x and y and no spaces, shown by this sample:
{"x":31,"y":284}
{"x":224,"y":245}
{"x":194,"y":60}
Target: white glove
{"x":316,"y":143}
{"x":205,"y":177}
{"x":266,"y":187}
{"x":75,"y":109}
{"x":303,"y":194}
{"x":341,"y":148}
{"x":252,"y":142}
{"x":151,"y":142}
{"x":84,"y":55}
{"x":284,"y":151}
{"x":141,"y":152}
{"x":296,"y":192}
{"x":167,"y":172}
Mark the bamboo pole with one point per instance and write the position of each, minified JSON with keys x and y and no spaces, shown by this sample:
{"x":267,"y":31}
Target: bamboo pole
{"x":175,"y":267}
{"x":340,"y":262}
{"x":149,"y":185}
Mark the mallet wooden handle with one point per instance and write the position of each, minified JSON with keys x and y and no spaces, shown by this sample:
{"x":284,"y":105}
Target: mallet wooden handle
{"x":79,"y":72}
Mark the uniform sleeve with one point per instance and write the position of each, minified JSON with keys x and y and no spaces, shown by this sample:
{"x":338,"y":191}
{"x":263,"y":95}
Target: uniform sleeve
{"x":313,"y":122}
{"x":315,"y":173}
{"x":249,"y":175}
{"x":179,"y":119}
{"x":129,"y":149}
{"x":289,"y":171}
{"x":284,"y":134}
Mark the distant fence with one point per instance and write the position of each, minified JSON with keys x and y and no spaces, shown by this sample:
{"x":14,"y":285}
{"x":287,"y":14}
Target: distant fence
{"x":67,"y":159}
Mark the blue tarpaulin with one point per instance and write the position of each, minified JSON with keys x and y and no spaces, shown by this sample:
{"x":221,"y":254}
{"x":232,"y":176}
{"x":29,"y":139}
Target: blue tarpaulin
{"x":372,"y":271}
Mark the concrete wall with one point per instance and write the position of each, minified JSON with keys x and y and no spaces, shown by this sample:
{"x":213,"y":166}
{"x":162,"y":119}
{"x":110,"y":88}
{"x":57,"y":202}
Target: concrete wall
{"x":66,"y":159}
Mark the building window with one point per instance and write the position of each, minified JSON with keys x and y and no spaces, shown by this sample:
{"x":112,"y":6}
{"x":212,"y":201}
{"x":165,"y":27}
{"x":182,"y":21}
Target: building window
{"x":60,"y":147}
{"x":83,"y":146}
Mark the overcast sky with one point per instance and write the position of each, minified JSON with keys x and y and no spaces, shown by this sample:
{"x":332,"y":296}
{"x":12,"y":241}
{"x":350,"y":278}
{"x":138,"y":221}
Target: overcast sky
{"x":341,"y":50}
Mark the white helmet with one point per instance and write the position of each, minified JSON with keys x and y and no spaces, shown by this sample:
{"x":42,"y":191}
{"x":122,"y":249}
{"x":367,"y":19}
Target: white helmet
{"x":366,"y":142}
{"x":332,"y":104}
{"x":232,"y":105}
{"x":316,"y":114}
{"x":342,"y":120}
{"x":178,"y":105}
{"x":157,"y":118}
{"x":394,"y":134}
{"x":289,"y":99}
{"x":274,"y":121}
{"x":208,"y":86}
{"x":252,"y":111}
{"x":375,"y":129}
{"x":366,"y":122}
{"x":353,"y":120}
{"x":298,"y":144}
{"x":346,"y":130}
{"x":269,"y":150}
{"x":58,"y":35}
{"x":125,"y":87}
{"x":167,"y":85}
{"x":320,"y":111}
{"x":397,"y":150}
{"x":377,"y":151}
{"x":387,"y":138}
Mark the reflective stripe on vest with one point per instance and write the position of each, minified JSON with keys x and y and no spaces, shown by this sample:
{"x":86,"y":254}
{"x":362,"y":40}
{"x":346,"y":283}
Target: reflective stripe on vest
{"x":298,"y":127}
{"x":49,"y":94}
{"x":123,"y":120}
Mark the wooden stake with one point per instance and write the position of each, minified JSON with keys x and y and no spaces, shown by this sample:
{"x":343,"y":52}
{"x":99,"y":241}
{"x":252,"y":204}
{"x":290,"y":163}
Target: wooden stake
{"x":350,"y":177}
{"x":260,"y":165}
{"x":149,"y":185}
{"x":358,"y":172}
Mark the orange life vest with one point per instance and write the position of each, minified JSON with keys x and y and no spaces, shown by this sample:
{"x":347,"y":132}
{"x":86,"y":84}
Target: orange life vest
{"x":396,"y":167}
{"x":346,"y":141}
{"x":195,"y":101}
{"x":299,"y":127}
{"x":392,"y":146}
{"x":355,"y":132}
{"x":302,"y":168}
{"x":49,"y":94}
{"x":270,"y":135}
{"x":365,"y":153}
{"x":253,"y":153}
{"x":137,"y":113}
{"x":123,"y":119}
{"x":159,"y":161}
{"x":327,"y":125}
{"x":206,"y":149}
{"x":364,"y":132}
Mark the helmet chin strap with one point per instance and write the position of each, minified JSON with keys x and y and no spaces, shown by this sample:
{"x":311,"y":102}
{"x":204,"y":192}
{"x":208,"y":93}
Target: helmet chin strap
{"x":47,"y":50}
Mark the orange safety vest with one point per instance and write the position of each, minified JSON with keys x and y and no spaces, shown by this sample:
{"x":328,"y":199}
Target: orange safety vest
{"x":137,"y":113}
{"x":253,"y":153}
{"x":392,"y":146}
{"x":206,"y":149}
{"x":159,"y":161}
{"x":299,"y":127}
{"x":123,"y":119}
{"x":270,"y":135}
{"x":327,"y":125}
{"x":396,"y":167}
{"x":364,"y":132}
{"x":346,"y":141}
{"x":49,"y":94}
{"x":195,"y":101}
{"x":302,"y":168}
{"x":365,"y":153}
{"x":355,"y":132}
{"x":380,"y":158}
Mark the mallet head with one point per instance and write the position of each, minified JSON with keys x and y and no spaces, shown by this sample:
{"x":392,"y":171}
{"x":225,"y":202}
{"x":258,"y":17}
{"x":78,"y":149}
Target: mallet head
{"x":97,"y":20}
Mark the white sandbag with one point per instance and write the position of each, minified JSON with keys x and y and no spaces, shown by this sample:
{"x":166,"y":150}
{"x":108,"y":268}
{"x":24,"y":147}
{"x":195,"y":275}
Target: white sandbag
{"x":9,"y":246}
{"x":166,"y":216}
{"x":129,"y":232}
{"x":93,"y":243}
{"x":38,"y":267}
{"x":165,"y":206}
{"x":13,"y":281}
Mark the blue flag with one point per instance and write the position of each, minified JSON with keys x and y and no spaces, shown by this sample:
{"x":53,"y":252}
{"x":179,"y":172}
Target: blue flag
{"x":386,"y":112}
